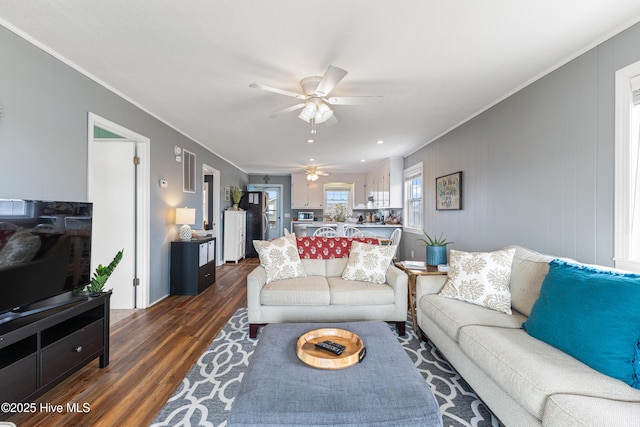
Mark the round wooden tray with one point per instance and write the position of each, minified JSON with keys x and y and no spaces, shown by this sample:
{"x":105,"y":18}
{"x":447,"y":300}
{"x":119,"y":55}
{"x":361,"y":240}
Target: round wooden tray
{"x":321,"y":359}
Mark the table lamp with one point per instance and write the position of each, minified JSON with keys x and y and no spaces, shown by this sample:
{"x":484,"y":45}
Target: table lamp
{"x":186,"y":217}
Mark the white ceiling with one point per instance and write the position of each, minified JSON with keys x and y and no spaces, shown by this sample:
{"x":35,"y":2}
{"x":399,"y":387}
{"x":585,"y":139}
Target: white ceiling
{"x":435,"y":63}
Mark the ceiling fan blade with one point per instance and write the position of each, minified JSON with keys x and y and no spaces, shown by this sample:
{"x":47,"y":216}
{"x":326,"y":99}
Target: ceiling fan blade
{"x":331,"y":78}
{"x":287,"y":110}
{"x":353,"y":100}
{"x":278,"y":91}
{"x":313,"y":170}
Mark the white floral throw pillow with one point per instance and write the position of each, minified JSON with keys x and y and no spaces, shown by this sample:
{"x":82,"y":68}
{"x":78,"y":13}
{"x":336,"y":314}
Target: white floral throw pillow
{"x":480,"y":278}
{"x":280,"y":258}
{"x":368,"y":263}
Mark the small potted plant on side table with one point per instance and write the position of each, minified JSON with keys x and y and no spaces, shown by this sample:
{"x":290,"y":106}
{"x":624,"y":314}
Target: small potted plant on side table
{"x":436,"y":249}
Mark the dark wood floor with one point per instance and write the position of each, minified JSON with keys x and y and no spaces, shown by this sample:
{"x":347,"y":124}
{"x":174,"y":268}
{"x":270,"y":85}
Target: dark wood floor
{"x":151,"y":351}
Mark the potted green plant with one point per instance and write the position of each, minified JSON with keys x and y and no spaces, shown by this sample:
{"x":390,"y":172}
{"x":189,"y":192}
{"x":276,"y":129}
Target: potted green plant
{"x":236,"y":195}
{"x":436,"y":248}
{"x":102,"y":273}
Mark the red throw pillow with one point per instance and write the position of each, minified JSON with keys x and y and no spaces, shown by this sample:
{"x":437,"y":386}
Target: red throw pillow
{"x":317,"y":247}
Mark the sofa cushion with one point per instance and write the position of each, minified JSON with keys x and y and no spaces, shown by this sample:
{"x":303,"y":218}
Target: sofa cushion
{"x":324,"y":267}
{"x":335,"y":267}
{"x":368,"y":263}
{"x":528,"y":270}
{"x":352,"y":292}
{"x":530,"y":370}
{"x":451,"y":315}
{"x":592,"y":315}
{"x":314,"y":267}
{"x":310,"y":290}
{"x":480,"y":278}
{"x":280,"y":258}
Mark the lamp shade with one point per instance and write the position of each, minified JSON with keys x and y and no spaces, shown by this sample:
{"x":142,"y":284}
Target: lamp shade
{"x":185,"y":216}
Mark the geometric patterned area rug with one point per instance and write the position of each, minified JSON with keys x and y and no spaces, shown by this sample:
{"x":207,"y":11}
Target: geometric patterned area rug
{"x":206,"y":394}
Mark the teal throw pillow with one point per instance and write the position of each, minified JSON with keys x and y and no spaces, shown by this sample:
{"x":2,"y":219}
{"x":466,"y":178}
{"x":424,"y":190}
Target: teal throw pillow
{"x":593,"y":315}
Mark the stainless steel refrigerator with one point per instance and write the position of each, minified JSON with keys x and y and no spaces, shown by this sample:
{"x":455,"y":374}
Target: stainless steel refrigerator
{"x":255,"y":203}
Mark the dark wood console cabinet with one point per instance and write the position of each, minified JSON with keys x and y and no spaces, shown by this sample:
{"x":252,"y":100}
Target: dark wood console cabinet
{"x":193,"y":266}
{"x":40,"y":350}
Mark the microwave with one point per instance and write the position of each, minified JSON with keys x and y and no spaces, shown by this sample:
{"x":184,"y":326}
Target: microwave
{"x":305,"y":216}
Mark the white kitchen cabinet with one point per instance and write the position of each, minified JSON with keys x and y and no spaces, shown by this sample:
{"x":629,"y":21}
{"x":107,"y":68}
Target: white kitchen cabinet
{"x":235,"y":226}
{"x":306,"y":194}
{"x":396,"y":182}
{"x":384,"y":183}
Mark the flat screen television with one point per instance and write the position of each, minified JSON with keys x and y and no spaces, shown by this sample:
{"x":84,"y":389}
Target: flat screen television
{"x":45,"y":252}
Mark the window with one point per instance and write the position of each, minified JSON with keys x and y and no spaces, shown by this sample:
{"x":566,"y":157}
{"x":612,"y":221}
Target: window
{"x":336,"y":197}
{"x":627,"y":169}
{"x":337,"y":193}
{"x":413,"y":198}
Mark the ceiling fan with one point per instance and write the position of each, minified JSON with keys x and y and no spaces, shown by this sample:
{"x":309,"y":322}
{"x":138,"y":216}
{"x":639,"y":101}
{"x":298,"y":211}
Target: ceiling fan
{"x":313,"y":173}
{"x":315,"y":98}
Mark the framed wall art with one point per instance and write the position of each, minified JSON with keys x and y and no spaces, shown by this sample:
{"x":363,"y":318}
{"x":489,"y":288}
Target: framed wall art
{"x":449,"y":192}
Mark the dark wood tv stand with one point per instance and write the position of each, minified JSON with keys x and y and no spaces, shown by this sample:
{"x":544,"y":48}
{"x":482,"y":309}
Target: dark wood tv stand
{"x":39,"y":351}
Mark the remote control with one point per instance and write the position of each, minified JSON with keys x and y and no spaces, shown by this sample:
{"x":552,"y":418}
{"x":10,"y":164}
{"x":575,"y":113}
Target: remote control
{"x":329,"y":347}
{"x":340,"y":346}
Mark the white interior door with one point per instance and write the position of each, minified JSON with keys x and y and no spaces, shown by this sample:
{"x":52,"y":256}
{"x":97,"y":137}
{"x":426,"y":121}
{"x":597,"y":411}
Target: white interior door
{"x":216,"y":215}
{"x":113,"y":197}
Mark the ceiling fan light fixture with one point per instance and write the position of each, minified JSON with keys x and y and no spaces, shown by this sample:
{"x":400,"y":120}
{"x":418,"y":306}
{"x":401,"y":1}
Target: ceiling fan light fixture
{"x":324,"y":113}
{"x":315,"y":111}
{"x":312,"y":177}
{"x":309,"y":110}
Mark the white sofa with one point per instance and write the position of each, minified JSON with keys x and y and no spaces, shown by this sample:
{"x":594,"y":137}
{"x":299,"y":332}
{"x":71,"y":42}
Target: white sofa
{"x":324,"y":296}
{"x":523,"y":380}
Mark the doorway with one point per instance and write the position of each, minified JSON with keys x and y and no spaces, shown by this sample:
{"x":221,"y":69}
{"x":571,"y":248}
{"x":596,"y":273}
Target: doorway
{"x":211,"y":206}
{"x":274,"y":209}
{"x":118,"y":187}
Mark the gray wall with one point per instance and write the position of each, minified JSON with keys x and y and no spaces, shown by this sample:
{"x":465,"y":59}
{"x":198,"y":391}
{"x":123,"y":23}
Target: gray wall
{"x":43,"y":141}
{"x":538,"y":168}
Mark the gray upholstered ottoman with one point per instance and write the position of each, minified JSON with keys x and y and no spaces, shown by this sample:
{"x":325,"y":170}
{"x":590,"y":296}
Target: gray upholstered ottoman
{"x":384,"y":390}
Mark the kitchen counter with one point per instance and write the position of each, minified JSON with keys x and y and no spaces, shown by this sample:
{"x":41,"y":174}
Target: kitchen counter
{"x":306,"y":228}
{"x":335,"y":224}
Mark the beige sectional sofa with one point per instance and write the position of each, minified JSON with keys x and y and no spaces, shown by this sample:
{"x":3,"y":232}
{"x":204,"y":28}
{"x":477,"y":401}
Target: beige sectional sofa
{"x":524,"y":381}
{"x":324,"y":296}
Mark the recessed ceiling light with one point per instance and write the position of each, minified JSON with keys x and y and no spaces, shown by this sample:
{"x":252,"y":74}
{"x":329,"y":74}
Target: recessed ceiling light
{"x":311,"y":160}
{"x":310,"y":141}
{"x":380,"y":141}
{"x":362,"y":161}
